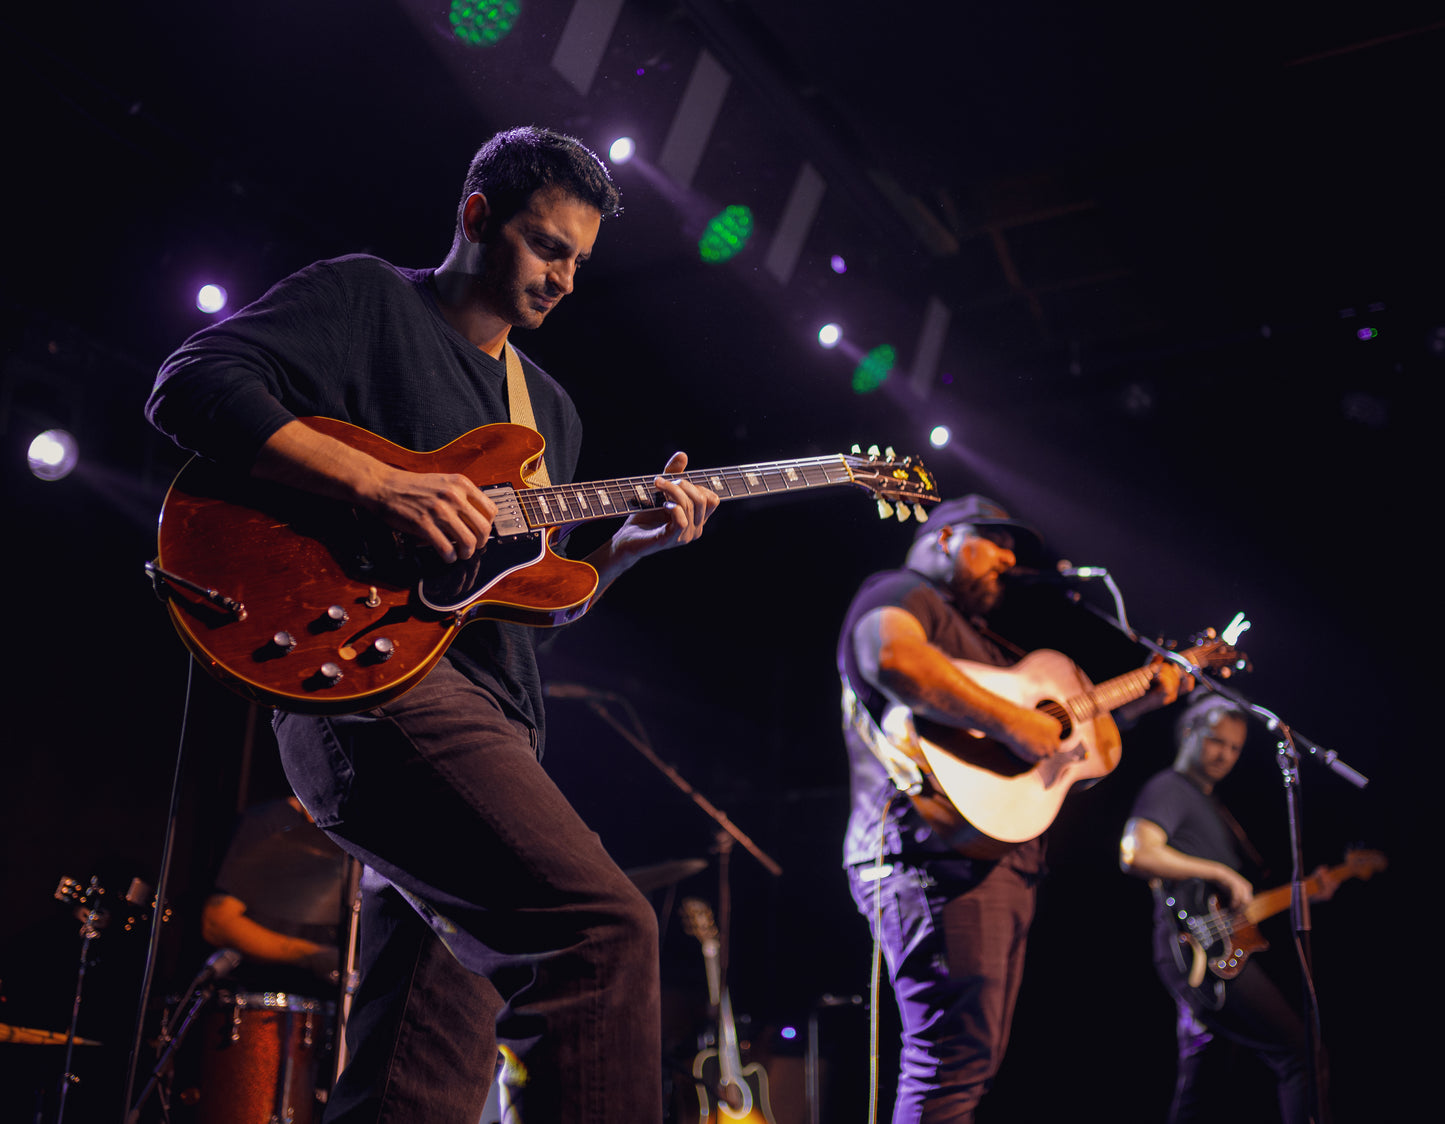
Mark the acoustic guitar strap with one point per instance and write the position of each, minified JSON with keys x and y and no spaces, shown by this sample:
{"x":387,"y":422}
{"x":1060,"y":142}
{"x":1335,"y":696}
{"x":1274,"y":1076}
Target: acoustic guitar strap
{"x":519,"y":405}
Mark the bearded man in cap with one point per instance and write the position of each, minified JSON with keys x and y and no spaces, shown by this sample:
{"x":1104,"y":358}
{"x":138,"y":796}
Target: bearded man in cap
{"x":951,"y":928}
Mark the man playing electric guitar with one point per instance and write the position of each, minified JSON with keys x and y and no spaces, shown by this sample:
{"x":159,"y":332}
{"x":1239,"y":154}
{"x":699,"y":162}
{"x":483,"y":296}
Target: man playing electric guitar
{"x":489,"y":908}
{"x":952,"y":928}
{"x":1181,"y":838}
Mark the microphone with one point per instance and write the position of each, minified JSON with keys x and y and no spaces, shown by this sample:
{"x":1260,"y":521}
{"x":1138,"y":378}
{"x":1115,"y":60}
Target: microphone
{"x":1081,"y":573}
{"x":1064,"y":574}
{"x":222,"y":963}
{"x":574,"y":691}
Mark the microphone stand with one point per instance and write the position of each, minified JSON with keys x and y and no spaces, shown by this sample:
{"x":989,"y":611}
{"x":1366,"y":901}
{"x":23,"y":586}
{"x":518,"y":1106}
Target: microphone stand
{"x":172,"y":1035}
{"x":1287,"y":758}
{"x":730,"y":832}
{"x":596,"y":702}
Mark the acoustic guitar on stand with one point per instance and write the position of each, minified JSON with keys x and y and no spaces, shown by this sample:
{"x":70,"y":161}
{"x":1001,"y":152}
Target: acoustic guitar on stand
{"x":984,"y":800}
{"x":313,"y":606}
{"x":727,"y":1090}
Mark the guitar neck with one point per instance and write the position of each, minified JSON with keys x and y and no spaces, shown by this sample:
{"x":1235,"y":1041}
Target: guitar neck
{"x":1269,"y":902}
{"x":1110,"y":695}
{"x":557,"y":505}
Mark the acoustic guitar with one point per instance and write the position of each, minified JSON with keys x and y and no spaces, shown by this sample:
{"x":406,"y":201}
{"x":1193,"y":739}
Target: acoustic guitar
{"x":727,"y":1090}
{"x":980,"y":797}
{"x":313,"y":606}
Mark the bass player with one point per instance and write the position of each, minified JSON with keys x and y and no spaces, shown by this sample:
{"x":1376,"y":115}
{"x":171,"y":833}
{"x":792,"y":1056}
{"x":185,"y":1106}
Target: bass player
{"x":1186,"y":843}
{"x":951,"y":928}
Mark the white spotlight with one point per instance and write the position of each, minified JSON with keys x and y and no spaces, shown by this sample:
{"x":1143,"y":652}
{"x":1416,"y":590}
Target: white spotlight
{"x":829,"y":335}
{"x":622,"y":150}
{"x":211,"y":298}
{"x":940,"y":436}
{"x":53,"y":454}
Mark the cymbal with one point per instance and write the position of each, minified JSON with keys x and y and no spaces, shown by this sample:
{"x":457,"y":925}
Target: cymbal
{"x":658,"y":875}
{"x":29,"y":1037}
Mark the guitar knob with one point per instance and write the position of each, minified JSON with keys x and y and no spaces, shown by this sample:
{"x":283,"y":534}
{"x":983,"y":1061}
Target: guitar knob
{"x":283,"y":642}
{"x":335,"y":617}
{"x":330,"y":674}
{"x":382,"y":649}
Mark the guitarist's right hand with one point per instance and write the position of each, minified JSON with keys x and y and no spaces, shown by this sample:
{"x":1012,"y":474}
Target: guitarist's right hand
{"x":445,"y":510}
{"x":1034,"y":735}
{"x":1235,"y":886}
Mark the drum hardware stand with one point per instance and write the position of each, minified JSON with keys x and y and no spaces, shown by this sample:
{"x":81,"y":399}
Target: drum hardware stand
{"x":175,"y":1029}
{"x":350,"y":974}
{"x":93,"y":917}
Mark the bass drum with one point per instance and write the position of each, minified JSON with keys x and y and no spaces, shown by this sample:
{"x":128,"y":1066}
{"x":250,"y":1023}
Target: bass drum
{"x":261,"y":1058}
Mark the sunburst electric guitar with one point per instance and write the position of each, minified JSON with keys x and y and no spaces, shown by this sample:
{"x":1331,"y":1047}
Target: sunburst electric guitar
{"x":313,"y":606}
{"x":1223,"y":940}
{"x":982,"y":798}
{"x":727,"y":1090}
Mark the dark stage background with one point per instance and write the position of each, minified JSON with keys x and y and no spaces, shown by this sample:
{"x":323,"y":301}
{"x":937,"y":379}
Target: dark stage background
{"x":1160,"y":234}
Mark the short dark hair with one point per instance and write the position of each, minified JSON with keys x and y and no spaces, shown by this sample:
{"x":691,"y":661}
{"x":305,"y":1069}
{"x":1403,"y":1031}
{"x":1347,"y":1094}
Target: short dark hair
{"x":516,"y":163}
{"x":1203,"y":714}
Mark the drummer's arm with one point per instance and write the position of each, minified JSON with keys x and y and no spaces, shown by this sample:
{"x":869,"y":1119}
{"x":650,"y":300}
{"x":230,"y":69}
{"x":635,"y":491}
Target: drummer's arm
{"x":224,"y":924}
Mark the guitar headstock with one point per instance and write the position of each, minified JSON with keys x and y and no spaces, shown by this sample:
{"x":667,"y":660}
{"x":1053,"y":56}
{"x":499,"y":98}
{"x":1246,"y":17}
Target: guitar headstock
{"x":1210,"y":653}
{"x":1362,"y":864}
{"x":698,"y":922}
{"x":902,"y":485}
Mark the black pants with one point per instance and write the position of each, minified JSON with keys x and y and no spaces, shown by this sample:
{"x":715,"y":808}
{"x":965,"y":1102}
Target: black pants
{"x":490,"y":912}
{"x":1250,"y":1012}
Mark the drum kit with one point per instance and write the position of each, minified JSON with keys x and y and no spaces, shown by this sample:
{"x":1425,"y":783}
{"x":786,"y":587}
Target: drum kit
{"x":253,"y":1057}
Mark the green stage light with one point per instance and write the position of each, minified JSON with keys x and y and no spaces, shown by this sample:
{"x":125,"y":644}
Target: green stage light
{"x":483,"y":22}
{"x":726,"y":234}
{"x":869,"y":374}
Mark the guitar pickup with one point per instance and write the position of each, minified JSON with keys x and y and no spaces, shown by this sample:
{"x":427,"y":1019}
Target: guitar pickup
{"x":510,"y":520}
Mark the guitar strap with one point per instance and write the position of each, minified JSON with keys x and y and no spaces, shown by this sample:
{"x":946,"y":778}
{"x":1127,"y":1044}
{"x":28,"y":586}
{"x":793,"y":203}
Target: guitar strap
{"x":1250,"y":851}
{"x":902,"y":770}
{"x":519,"y":405}
{"x":1002,"y":641}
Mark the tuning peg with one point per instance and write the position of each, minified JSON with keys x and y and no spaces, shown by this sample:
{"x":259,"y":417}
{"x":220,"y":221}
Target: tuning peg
{"x":857,"y":450}
{"x":920,"y":513}
{"x":873,"y":451}
{"x":885,"y":509}
{"x":889,"y":453}
{"x":902,"y":512}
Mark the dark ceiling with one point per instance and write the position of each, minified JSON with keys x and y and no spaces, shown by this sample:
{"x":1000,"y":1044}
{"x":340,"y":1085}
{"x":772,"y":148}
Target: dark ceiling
{"x":1159,"y":233}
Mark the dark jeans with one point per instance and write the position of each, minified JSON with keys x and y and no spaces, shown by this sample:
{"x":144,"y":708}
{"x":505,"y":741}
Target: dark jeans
{"x":953,"y":937}
{"x":1248,"y":1011}
{"x":490,"y":912}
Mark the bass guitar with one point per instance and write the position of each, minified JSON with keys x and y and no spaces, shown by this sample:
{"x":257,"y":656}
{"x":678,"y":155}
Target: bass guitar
{"x":727,"y":1090}
{"x":1223,"y":940}
{"x":979,"y":796}
{"x":314,"y":606}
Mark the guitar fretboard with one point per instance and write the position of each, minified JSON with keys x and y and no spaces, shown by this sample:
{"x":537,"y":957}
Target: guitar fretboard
{"x":1114,"y":693}
{"x":600,"y":499}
